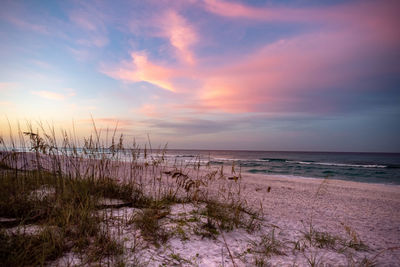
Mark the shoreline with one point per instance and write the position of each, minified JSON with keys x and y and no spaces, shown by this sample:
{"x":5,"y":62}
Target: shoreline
{"x":316,"y":179}
{"x":31,"y":155}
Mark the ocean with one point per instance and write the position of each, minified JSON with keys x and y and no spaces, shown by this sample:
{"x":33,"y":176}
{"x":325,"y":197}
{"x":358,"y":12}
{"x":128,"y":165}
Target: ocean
{"x":381,"y":168}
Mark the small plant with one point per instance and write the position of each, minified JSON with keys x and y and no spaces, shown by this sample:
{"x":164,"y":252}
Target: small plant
{"x":22,"y":249}
{"x":104,"y":247}
{"x":312,"y":258}
{"x":266,"y":247}
{"x":148,"y":222}
{"x":364,"y":262}
{"x":207,"y":230}
{"x":321,"y":239}
{"x":180,"y":231}
{"x":353,"y":240}
{"x":227,"y":216}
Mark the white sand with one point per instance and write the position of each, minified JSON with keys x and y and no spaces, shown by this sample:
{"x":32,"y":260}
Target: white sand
{"x":369,"y":210}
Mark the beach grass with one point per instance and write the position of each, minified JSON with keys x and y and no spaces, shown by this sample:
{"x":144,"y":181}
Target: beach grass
{"x":58,"y":187}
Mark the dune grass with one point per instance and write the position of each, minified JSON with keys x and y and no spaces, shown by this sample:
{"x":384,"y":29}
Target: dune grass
{"x":58,"y":185}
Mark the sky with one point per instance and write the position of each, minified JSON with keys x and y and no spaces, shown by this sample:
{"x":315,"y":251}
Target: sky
{"x":207,"y":74}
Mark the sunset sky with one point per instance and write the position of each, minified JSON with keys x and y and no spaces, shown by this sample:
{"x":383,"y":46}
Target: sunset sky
{"x":208,"y":74}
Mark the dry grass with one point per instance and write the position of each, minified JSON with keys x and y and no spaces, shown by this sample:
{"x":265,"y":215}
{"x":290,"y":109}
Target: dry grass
{"x":58,"y":183}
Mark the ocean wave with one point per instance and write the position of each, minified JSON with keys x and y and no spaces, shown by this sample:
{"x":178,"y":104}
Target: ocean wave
{"x":258,"y":171}
{"x":216,"y":162}
{"x":250,"y":164}
{"x":225,"y":159}
{"x":195,"y":161}
{"x":274,"y":159}
{"x":343,"y":164}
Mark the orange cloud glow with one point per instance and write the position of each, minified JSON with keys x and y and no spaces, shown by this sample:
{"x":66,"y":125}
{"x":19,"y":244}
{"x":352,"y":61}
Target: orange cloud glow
{"x":108,"y":121}
{"x":143,"y":70}
{"x":49,"y":95}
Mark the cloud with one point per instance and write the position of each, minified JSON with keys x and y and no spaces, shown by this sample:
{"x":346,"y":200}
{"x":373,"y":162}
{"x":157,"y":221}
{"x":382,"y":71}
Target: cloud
{"x":194,"y":126}
{"x":233,"y":9}
{"x":25,"y":25}
{"x":268,"y":13}
{"x":49,"y":95}
{"x":7,"y":86}
{"x":339,"y":13}
{"x":84,"y":20}
{"x":180,"y":34}
{"x":189,"y":126}
{"x":80,"y":54}
{"x":55,"y":95}
{"x":149,"y":110}
{"x":92,"y":22}
{"x":97,"y":40}
{"x":379,"y":20}
{"x":285,"y":76}
{"x":111,"y":122}
{"x":321,"y":70}
{"x":141,"y":69}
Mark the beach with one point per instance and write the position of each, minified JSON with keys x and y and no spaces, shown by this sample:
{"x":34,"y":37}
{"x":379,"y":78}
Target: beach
{"x":359,"y":212}
{"x":209,"y":133}
{"x":370,"y":209}
{"x":298,"y":221}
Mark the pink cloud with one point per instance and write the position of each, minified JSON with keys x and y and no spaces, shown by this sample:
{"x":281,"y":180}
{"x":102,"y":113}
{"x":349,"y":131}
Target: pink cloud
{"x":279,"y":76}
{"x":97,"y":40}
{"x":169,"y":24}
{"x":92,"y":22}
{"x":80,"y":54}
{"x":273,"y":75}
{"x":30,"y":26}
{"x":237,"y":10}
{"x":377,"y":19}
{"x":84,"y":20}
{"x":150,"y":110}
{"x":141,"y":69}
{"x":181,"y":35}
{"x":272,"y":78}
